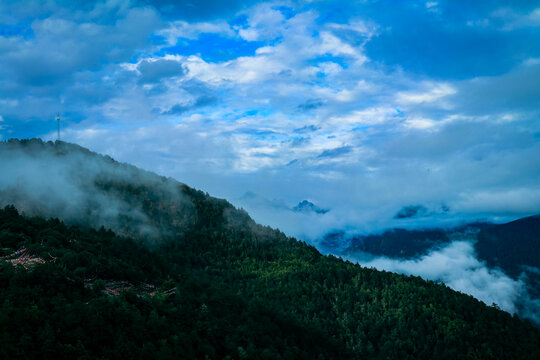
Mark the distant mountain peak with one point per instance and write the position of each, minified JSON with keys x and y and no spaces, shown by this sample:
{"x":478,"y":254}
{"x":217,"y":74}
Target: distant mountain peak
{"x":308,"y":206}
{"x":411,"y":211}
{"x":420,"y":211}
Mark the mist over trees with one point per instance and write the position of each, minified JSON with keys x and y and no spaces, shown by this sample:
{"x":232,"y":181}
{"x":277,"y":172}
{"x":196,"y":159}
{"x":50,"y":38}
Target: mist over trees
{"x":70,"y":182}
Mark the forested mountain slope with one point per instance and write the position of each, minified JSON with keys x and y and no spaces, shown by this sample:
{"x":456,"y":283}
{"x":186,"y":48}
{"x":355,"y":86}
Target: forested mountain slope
{"x":81,"y":187}
{"x":512,"y":246}
{"x":515,"y":248}
{"x":219,"y":293}
{"x":201,"y":279}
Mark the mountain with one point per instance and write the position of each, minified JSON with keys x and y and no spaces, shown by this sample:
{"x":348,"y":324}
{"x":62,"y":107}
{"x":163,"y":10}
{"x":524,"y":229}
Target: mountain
{"x":514,"y":246}
{"x":93,"y":294}
{"x":308,"y":206}
{"x":420,"y":211}
{"x":498,"y":254}
{"x":83,"y":188}
{"x":398,"y":243}
{"x":188,"y":275}
{"x":411,"y":211}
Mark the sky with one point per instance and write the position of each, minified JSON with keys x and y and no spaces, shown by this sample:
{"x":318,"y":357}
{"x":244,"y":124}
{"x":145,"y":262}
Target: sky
{"x":367,"y":109}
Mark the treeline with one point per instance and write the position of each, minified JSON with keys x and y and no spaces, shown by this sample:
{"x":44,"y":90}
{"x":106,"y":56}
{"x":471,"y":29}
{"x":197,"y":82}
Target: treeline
{"x":61,"y":310}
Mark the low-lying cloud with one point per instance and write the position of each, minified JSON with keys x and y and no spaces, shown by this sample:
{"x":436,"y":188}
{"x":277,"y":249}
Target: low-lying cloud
{"x":457,"y":266}
{"x":64,"y":181}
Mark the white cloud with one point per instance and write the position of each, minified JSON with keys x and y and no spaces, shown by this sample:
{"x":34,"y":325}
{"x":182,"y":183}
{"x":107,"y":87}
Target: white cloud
{"x":531,"y":62}
{"x":513,"y":20}
{"x":264,"y":23}
{"x":516,"y":200}
{"x":185,"y":30}
{"x":68,"y":62}
{"x":434,"y":92}
{"x":330,"y":68}
{"x":331,"y":44}
{"x":252,"y":69}
{"x":508,"y":19}
{"x":359,"y":26}
{"x":369,"y":116}
{"x":420,"y":123}
{"x":432,"y":6}
{"x":457,"y":266}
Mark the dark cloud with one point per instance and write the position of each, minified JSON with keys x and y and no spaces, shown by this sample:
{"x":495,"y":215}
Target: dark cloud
{"x":70,"y":63}
{"x":310,"y":105}
{"x":306,"y":128}
{"x":181,"y":108}
{"x":198,"y":9}
{"x":473,"y":139}
{"x":62,"y":47}
{"x":259,"y":133}
{"x":154,"y":71}
{"x":411,"y":211}
{"x":336,"y":152}
{"x":518,"y":89}
{"x":299,"y":141}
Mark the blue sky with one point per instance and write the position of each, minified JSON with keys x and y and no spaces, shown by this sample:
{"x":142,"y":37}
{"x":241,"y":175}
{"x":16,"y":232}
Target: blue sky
{"x":362,"y":107}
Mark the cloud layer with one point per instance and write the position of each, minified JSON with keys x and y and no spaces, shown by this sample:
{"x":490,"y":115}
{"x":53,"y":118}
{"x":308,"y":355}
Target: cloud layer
{"x":457,"y":266}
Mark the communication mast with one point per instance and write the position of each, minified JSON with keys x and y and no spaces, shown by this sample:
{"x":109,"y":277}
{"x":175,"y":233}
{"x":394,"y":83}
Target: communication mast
{"x":58,"y":129}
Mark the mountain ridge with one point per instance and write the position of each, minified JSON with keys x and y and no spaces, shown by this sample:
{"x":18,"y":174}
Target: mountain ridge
{"x":222,"y":262}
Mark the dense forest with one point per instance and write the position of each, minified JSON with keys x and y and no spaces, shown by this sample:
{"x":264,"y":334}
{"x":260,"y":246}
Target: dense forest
{"x":190,"y":276}
{"x":228,"y":295}
{"x":512,"y":247}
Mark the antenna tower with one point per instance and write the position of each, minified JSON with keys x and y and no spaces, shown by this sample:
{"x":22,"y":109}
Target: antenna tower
{"x":58,"y":123}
